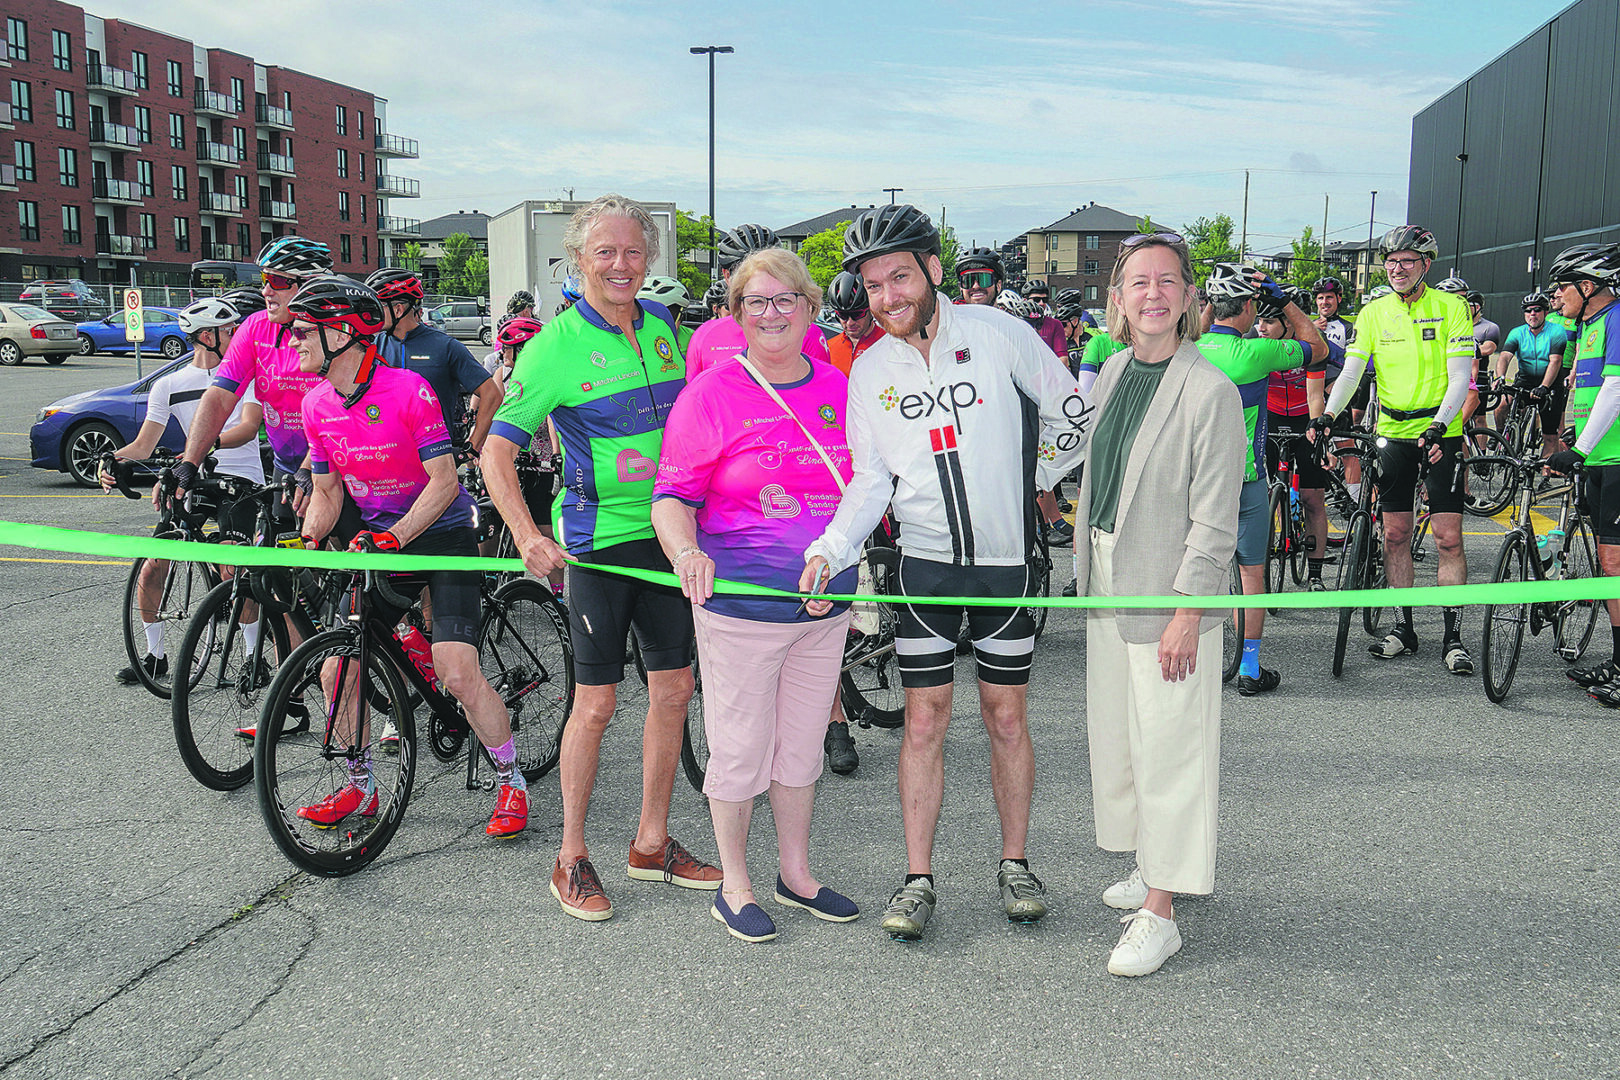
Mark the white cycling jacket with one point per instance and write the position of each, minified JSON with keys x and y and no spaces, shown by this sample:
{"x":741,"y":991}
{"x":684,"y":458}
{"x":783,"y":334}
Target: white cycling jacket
{"x":957,"y":445}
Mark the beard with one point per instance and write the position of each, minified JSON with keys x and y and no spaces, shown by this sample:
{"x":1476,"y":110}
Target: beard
{"x":922,"y":313}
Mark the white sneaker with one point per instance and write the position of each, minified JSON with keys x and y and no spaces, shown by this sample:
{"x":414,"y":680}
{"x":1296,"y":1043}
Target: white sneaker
{"x":390,"y":738}
{"x":1148,"y":941}
{"x":1127,"y":895}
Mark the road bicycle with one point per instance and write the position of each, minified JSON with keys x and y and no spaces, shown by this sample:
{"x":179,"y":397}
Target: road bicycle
{"x":1361,"y":565}
{"x":1288,"y":543}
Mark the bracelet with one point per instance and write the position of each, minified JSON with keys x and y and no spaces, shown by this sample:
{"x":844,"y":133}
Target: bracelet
{"x":688,"y":550}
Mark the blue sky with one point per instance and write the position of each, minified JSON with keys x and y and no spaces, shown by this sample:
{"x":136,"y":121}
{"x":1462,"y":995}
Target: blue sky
{"x":1007,"y":117}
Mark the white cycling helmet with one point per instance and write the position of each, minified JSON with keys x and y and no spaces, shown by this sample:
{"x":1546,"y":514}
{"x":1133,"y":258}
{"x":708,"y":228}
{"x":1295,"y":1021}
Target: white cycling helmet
{"x":667,"y":291}
{"x":207,"y":314}
{"x":1009,"y":300}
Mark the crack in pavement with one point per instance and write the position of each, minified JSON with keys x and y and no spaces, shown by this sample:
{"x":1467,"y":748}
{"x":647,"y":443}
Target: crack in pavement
{"x":275,"y":895}
{"x":13,"y":972}
{"x":276,"y":988}
{"x":57,"y":595}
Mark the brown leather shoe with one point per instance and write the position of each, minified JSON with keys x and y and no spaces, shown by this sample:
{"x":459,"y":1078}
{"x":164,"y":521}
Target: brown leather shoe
{"x":579,"y":890}
{"x":675,"y":865}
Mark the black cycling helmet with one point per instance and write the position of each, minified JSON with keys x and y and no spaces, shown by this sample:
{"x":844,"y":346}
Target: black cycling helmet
{"x":1036,"y":285}
{"x":246,"y":301}
{"x":1586,"y":262}
{"x":1454,"y":285}
{"x":1536,"y":299}
{"x":1409,"y":238}
{"x":1069,"y":304}
{"x":334,"y":300}
{"x":1231,"y":281}
{"x":884,"y":230}
{"x":1474,"y":296}
{"x":716,"y":295}
{"x":737,"y":244}
{"x":982,"y":258}
{"x":1328,"y":284}
{"x":521,"y":299}
{"x":847,"y":296}
{"x":393,"y":283}
{"x":293,"y":256}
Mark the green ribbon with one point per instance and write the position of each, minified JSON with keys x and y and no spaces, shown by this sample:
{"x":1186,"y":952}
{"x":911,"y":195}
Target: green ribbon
{"x":82,"y":542}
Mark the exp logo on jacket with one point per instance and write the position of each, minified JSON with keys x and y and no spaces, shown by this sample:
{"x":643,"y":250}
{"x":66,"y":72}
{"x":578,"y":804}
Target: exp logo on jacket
{"x":952,"y":400}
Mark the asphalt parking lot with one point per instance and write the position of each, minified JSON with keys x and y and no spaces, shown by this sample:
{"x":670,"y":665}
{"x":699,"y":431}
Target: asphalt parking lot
{"x":1412,"y":881}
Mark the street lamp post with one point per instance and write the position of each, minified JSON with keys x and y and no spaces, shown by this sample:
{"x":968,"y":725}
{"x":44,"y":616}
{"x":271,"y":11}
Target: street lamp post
{"x":892,"y":191}
{"x":699,"y":50}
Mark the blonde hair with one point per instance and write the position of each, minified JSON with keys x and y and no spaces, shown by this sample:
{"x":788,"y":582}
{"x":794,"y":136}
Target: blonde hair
{"x":779,"y":263}
{"x":1189,"y":327}
{"x":601,"y":207}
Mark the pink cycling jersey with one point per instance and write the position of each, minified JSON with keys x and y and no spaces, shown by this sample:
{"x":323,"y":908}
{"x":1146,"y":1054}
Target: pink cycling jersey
{"x":719,"y":340}
{"x":377,"y":445}
{"x":761,"y":491}
{"x":261,"y":354}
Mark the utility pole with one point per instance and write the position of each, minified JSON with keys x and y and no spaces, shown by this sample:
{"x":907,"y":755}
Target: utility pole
{"x":711,"y":50}
{"x":1243,"y":245}
{"x":1321,"y":261}
{"x":1372,"y":213}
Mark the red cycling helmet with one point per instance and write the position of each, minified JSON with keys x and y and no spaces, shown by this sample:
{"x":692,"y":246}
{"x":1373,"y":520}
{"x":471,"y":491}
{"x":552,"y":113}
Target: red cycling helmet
{"x":517,"y":330}
{"x":332,"y":300}
{"x":393,"y":283}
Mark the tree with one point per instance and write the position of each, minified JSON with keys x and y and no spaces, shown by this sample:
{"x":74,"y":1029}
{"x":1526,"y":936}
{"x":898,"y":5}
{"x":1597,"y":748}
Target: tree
{"x":1209,"y":241}
{"x":691,"y":236}
{"x":475,"y":275}
{"x":948,"y":250}
{"x":823,"y":253}
{"x":458,"y":248}
{"x":410,"y":256}
{"x":1146,"y":225}
{"x":1306,"y":265}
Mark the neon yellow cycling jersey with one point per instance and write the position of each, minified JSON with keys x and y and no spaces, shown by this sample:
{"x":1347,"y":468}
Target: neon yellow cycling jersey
{"x":1409,"y":347}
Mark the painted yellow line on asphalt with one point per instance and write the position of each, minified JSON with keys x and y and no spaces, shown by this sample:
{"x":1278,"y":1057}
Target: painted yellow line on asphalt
{"x":15,"y":459}
{"x":83,"y":495}
{"x":76,"y":562}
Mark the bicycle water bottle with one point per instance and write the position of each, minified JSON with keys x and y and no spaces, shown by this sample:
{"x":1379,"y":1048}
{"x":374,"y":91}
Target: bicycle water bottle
{"x":417,"y":648}
{"x":1555,"y":546}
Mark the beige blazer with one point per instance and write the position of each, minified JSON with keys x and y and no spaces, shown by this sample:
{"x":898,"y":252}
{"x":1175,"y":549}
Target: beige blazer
{"x":1176,"y":527}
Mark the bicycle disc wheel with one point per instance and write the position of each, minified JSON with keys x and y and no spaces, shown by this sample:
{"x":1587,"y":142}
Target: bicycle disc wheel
{"x":1232,"y":631}
{"x":298,"y":769}
{"x":182,"y":587}
{"x":695,"y":737}
{"x":1575,"y":620}
{"x":524,"y":651}
{"x":870,"y":684}
{"x":222,"y":696}
{"x":1503,"y":636}
{"x":1351,"y":576}
{"x":1277,"y":540}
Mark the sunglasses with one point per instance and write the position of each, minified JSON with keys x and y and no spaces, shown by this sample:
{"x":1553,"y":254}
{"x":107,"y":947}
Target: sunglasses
{"x":301,"y":331}
{"x":853,"y":316}
{"x":977,"y":279}
{"x":1137,"y":239}
{"x":281,"y":282}
{"x":1538,"y":309}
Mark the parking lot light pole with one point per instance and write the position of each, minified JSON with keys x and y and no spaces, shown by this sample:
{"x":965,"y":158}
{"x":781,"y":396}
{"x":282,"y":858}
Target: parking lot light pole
{"x":699,"y":50}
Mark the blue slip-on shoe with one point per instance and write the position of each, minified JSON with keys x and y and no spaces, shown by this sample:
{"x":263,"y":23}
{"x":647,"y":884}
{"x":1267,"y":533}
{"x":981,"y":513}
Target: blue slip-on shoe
{"x":749,"y":924}
{"x":825,"y":905}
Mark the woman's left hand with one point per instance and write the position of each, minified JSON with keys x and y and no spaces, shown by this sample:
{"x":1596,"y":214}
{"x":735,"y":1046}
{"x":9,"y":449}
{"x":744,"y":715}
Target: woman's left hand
{"x":696,"y":571}
{"x":1178,"y":648}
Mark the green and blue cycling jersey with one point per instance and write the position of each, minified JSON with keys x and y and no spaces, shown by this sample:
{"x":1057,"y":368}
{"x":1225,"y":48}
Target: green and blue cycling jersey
{"x":609,"y":407}
{"x":1533,"y":350}
{"x":1597,"y":358}
{"x":1249,"y":362}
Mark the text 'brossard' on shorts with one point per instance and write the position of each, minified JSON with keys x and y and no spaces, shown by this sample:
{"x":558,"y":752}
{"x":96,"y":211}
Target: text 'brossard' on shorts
{"x":925,"y":634}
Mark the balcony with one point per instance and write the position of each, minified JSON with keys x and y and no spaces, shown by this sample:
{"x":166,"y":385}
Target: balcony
{"x":398,"y":226}
{"x":114,"y":136}
{"x":214,"y":103}
{"x":220,"y":202}
{"x":396,"y":146}
{"x":278,"y":211}
{"x":399,"y":187}
{"x":107,"y":190}
{"x":274,"y":116}
{"x":276,"y":164}
{"x":214,"y":153}
{"x":5,"y":116}
{"x":228,"y":252}
{"x":120,"y":247}
{"x":110,"y":80}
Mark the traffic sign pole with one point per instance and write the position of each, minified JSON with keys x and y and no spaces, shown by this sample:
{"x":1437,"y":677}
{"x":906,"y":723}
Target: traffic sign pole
{"x":134,"y":320}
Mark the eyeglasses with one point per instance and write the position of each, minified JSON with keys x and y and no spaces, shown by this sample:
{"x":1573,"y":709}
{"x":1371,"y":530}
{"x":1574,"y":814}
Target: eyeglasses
{"x":784,"y":303}
{"x":977,"y":279}
{"x":1403,"y":264}
{"x":301,"y":331}
{"x":1173,"y":239}
{"x":281,"y":282}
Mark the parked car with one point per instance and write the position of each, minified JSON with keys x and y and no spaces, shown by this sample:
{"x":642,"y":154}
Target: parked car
{"x":70,"y":435}
{"x":26,"y":330}
{"x":163,"y":334}
{"x":464,"y":319}
{"x":70,"y":298}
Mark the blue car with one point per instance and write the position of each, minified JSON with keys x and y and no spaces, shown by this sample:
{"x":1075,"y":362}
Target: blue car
{"x":163,"y":334}
{"x":70,"y":435}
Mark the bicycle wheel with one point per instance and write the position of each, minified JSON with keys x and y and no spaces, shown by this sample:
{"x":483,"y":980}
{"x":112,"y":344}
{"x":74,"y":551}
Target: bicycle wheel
{"x":1575,"y":620}
{"x":1277,"y":540}
{"x":296,"y":769}
{"x":223,"y":696}
{"x":695,"y":737}
{"x":1299,"y":548}
{"x":870,"y":684}
{"x":1232,"y":632}
{"x":1040,"y":567}
{"x":1503,"y":636}
{"x":1420,"y":539}
{"x":1490,"y":475}
{"x":183,"y":586}
{"x":523,"y":648}
{"x":1352,"y":575}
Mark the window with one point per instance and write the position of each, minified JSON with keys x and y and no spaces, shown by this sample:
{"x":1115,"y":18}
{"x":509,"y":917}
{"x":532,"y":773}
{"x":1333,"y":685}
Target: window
{"x":1051,"y":267}
{"x":286,"y":100}
{"x":239,"y":140}
{"x":343,"y":206}
{"x":177,"y":130}
{"x":143,"y":124}
{"x":362,"y":208}
{"x":1051,"y":241}
{"x":149,"y":230}
{"x":64,"y":109}
{"x":67,"y":165}
{"x":345,"y":247}
{"x":22,"y":101}
{"x":342,"y":120}
{"x":70,"y":226}
{"x":365,"y":247}
{"x":28,"y":217}
{"x":137,"y":64}
{"x":1091,"y":292}
{"x":1093,"y":242}
{"x":1092,"y":267}
{"x":177,"y":181}
{"x":236,"y":93}
{"x":360,"y":125}
{"x":360,"y":164}
{"x":176,"y":79}
{"x":143,"y":178}
{"x":182,"y":234}
{"x":241,"y":191}
{"x":25,"y":160}
{"x":61,"y":50}
{"x":17,"y":49}
{"x":343,"y":164}
{"x":244,"y":240}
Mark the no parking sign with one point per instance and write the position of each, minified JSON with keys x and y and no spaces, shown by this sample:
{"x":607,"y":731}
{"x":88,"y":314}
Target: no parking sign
{"x":134,"y":319}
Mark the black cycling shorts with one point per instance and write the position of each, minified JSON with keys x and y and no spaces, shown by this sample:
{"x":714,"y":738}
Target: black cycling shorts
{"x":603,"y":607}
{"x":1551,"y":407}
{"x":1301,"y":453}
{"x":925,"y":634}
{"x":1398,"y":475}
{"x":1603,"y":502}
{"x":457,"y":602}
